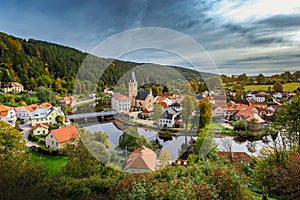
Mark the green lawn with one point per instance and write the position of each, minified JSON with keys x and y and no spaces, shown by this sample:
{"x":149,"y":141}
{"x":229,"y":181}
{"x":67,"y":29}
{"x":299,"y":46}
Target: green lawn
{"x":288,"y":87}
{"x":52,"y":163}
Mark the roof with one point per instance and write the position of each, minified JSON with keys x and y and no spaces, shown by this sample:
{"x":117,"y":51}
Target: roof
{"x":218,"y":97}
{"x":30,"y":108}
{"x":163,"y":104}
{"x":45,"y":105}
{"x":40,"y":125}
{"x":4,"y":110}
{"x":142,"y":158}
{"x":176,"y":104}
{"x":65,"y":134}
{"x":69,"y":98}
{"x":120,"y":97}
{"x":142,"y":95}
{"x":236,"y":156}
{"x":168,"y":113}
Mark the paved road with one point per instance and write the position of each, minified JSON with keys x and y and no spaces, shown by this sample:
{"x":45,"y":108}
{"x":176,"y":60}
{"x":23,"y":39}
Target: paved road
{"x":26,"y":131}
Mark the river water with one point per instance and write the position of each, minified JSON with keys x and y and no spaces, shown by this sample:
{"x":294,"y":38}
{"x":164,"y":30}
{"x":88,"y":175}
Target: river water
{"x":176,"y":145}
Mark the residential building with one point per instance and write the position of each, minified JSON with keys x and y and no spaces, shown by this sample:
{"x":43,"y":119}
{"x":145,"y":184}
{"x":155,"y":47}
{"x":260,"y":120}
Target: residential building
{"x":45,"y":105}
{"x":167,"y":118}
{"x":8,"y":115}
{"x":40,"y":129}
{"x":120,"y":103}
{"x":59,"y":138}
{"x":25,"y":112}
{"x":67,"y":101}
{"x":12,"y":87}
{"x":46,"y":115}
{"x":141,"y":160}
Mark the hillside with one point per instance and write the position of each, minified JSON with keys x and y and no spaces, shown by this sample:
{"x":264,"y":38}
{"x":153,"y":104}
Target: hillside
{"x":37,"y":63}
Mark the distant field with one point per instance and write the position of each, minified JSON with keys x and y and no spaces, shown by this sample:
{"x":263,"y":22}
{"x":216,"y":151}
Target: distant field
{"x":288,"y":87}
{"x":52,"y":163}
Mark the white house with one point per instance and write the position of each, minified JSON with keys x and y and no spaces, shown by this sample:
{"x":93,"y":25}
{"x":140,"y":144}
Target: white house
{"x":8,"y":114}
{"x":67,"y":101}
{"x":277,"y":95}
{"x":59,"y":138}
{"x":46,"y":115}
{"x":120,"y":103}
{"x":12,"y":87}
{"x":40,"y":129}
{"x":167,"y":118}
{"x":25,"y":112}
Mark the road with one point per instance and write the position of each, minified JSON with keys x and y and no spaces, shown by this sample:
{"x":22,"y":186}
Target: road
{"x":26,"y":131}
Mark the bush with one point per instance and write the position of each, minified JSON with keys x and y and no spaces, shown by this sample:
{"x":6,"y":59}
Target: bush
{"x":33,"y":137}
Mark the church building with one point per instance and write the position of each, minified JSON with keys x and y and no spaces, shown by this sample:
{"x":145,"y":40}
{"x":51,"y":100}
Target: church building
{"x":139,"y":98}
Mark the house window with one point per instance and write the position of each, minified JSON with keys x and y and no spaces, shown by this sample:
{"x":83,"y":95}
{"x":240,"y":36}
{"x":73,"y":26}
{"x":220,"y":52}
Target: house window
{"x":57,"y":144}
{"x":52,"y":142}
{"x":51,"y":136}
{"x":38,"y":131}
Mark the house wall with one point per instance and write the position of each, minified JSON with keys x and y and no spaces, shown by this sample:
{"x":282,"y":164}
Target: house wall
{"x":50,"y":118}
{"x":10,"y":117}
{"x":51,"y":142}
{"x":23,"y":113}
{"x":40,"y":131}
{"x":121,"y":105}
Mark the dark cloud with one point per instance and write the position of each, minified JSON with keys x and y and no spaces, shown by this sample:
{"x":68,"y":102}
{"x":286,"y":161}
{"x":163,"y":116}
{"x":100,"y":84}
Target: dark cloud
{"x":281,"y":21}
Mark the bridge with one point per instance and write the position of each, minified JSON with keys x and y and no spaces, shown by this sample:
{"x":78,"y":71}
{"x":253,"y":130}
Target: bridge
{"x":93,"y":114}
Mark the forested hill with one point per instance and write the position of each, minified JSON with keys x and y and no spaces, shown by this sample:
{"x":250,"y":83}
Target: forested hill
{"x":37,"y":63}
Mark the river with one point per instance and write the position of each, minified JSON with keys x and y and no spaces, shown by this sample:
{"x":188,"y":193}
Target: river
{"x":175,"y":145}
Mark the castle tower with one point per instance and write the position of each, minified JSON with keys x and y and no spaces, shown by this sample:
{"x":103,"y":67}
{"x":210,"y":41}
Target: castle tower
{"x":132,"y":87}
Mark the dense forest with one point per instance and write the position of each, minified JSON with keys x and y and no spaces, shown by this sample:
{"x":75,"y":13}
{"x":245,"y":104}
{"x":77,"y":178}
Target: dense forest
{"x":37,"y":63}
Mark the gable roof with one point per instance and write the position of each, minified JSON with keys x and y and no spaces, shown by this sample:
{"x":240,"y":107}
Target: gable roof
{"x":45,"y":105}
{"x":236,"y":156}
{"x":66,"y":133}
{"x":168,"y":113}
{"x":120,"y":97}
{"x":4,"y":110}
{"x":40,"y":125}
{"x":142,"y":95}
{"x":142,"y":158}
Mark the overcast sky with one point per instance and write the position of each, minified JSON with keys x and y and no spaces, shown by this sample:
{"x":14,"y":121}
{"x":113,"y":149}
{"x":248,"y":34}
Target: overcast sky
{"x":240,"y":36}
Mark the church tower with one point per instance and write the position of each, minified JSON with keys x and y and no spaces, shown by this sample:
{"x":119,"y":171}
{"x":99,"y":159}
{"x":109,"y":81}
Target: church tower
{"x":132,"y":87}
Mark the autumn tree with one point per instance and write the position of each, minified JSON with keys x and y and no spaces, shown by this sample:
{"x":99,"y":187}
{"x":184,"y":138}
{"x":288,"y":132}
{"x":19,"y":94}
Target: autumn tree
{"x":165,"y":157}
{"x":205,"y":113}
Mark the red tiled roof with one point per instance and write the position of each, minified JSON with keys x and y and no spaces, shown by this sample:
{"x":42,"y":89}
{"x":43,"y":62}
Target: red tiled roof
{"x":121,"y":97}
{"x":15,"y":84}
{"x":69,"y":98}
{"x":45,"y":105}
{"x":4,"y":110}
{"x":141,"y":158}
{"x":237,"y":156}
{"x":65,"y":134}
{"x":40,"y":125}
{"x":163,"y":104}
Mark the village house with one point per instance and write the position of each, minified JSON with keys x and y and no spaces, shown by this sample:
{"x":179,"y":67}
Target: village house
{"x":218,"y":112}
{"x":46,"y":115}
{"x":277,"y":95}
{"x":45,"y":105}
{"x":141,"y":160}
{"x":12,"y":87}
{"x":168,"y":117}
{"x":8,"y":115}
{"x":248,"y":113}
{"x":120,"y":103}
{"x":67,"y":101}
{"x":25,"y":112}
{"x":40,"y":129}
{"x":59,"y":138}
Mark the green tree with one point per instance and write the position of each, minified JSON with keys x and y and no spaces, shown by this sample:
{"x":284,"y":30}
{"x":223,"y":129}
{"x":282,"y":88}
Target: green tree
{"x":288,"y":121}
{"x":240,"y":125}
{"x":11,"y":140}
{"x":188,"y":107}
{"x":157,"y":111}
{"x":261,"y":79}
{"x":277,"y":87}
{"x":205,"y":109}
{"x":130,"y":140}
{"x":213,"y":82}
{"x":43,"y":94}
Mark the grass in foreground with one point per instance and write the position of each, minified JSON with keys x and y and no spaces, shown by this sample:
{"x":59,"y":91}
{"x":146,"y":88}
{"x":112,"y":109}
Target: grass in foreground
{"x":52,"y":163}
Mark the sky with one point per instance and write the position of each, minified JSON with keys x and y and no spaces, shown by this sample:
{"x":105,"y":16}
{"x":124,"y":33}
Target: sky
{"x":239,"y":36}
